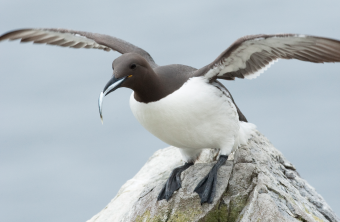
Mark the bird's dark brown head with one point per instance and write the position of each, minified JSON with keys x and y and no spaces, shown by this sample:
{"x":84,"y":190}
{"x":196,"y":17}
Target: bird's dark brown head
{"x":129,"y":70}
{"x":132,"y":71}
{"x":131,"y":67}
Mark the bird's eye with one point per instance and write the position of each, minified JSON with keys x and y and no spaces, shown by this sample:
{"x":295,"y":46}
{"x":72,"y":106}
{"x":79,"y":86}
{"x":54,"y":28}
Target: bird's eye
{"x":133,"y":66}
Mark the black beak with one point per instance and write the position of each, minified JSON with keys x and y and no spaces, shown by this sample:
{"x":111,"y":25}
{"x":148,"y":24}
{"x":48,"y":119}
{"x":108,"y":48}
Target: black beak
{"x":111,"y":86}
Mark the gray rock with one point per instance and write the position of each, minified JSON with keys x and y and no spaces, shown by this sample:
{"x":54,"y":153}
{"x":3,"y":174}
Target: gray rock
{"x":256,"y":184}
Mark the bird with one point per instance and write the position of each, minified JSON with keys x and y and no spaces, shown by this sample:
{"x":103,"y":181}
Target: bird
{"x":186,"y":107}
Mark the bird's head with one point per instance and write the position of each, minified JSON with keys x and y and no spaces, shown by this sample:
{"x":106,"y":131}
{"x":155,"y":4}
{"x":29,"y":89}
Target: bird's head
{"x":128,"y":71}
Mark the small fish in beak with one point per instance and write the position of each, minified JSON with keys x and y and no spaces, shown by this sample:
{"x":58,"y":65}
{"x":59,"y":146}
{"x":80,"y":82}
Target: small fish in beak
{"x":111,"y":86}
{"x":100,"y":105}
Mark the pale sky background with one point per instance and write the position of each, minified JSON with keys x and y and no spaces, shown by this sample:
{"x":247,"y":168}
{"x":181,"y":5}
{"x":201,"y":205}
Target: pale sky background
{"x":58,"y":163}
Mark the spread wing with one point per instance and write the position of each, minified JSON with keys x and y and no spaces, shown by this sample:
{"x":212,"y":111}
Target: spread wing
{"x":249,"y":56}
{"x":76,"y":39}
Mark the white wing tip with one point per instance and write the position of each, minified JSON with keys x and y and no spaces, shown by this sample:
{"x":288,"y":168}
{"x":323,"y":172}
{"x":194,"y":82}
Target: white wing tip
{"x":259,"y":72}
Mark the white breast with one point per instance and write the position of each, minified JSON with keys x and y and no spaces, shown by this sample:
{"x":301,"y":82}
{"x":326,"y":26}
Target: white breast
{"x":196,"y":116}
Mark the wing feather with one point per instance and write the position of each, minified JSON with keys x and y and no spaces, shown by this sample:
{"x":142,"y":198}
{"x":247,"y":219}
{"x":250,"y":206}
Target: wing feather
{"x":249,"y":56}
{"x":76,"y":39}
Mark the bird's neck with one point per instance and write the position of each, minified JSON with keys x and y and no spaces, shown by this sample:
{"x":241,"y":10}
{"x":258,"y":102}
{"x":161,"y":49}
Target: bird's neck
{"x":151,"y":90}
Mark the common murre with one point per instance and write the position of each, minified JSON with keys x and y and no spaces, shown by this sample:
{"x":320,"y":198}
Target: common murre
{"x":195,"y":77}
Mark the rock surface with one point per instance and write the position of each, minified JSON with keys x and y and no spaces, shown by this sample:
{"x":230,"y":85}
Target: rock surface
{"x":257,"y":184}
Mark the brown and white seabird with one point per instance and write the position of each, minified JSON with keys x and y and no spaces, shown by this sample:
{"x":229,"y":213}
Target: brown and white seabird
{"x":186,"y":107}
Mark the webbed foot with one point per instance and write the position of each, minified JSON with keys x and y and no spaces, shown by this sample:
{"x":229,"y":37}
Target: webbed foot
{"x":173,"y":183}
{"x":206,"y":189}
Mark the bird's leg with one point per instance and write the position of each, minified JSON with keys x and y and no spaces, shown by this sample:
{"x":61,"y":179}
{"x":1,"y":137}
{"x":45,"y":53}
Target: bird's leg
{"x":207,"y":187}
{"x":173,"y":183}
